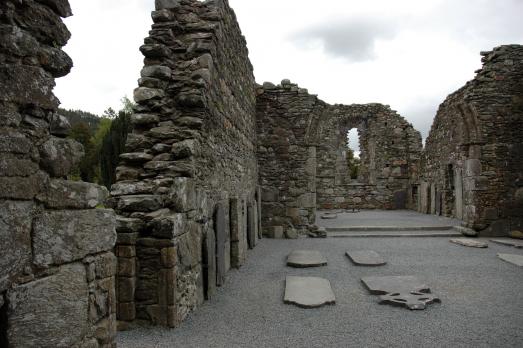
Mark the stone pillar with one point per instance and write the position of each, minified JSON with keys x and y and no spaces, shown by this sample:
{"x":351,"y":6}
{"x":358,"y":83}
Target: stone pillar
{"x":57,"y":269}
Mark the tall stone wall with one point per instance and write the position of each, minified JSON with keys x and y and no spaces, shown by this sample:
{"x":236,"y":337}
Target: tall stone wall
{"x":302,"y":155}
{"x":56,"y":266}
{"x":472,"y":167}
{"x":186,"y":191}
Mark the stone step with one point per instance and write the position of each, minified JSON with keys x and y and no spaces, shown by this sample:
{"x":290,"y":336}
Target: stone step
{"x":349,"y":234}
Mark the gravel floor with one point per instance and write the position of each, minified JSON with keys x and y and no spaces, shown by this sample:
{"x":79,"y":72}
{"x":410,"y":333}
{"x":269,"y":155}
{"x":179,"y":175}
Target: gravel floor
{"x":482,"y":300}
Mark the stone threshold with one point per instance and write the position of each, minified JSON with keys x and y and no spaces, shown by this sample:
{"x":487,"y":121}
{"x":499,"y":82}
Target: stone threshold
{"x":388,"y":228}
{"x":347,"y":234}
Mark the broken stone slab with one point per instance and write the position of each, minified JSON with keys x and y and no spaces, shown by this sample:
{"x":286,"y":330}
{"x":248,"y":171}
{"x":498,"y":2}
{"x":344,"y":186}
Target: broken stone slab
{"x":508,"y":242}
{"x":469,"y":232}
{"x":366,"y":258}
{"x":308,"y":292}
{"x":469,"y":243}
{"x":329,"y":216}
{"x":306,"y":258}
{"x":405,"y":291}
{"x":512,"y":258}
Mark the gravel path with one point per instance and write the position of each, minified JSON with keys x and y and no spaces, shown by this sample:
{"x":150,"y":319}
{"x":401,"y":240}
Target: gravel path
{"x":482,"y":300}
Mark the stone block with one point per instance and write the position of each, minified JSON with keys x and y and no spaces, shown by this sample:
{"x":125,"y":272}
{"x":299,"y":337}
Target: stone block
{"x":472,"y":167}
{"x":156,"y":71}
{"x":185,"y":148}
{"x":166,"y":4}
{"x":307,"y":200}
{"x":126,"y":311}
{"x":270,"y":194}
{"x":12,"y":166}
{"x":143,"y":203}
{"x":144,"y":94}
{"x":182,"y":195}
{"x":126,"y":238}
{"x":144,"y":119}
{"x":125,"y":251}
{"x":126,"y":288}
{"x":15,"y":236}
{"x":64,"y":236}
{"x":64,"y":194}
{"x":275,"y":232}
{"x":61,"y":7}
{"x":59,"y":156}
{"x":53,"y":310}
{"x":27,"y":85}
{"x":169,"y":257}
{"x":105,"y":265}
{"x":126,"y":267}
{"x":22,"y":188}
{"x":129,"y":225}
{"x":168,"y":227}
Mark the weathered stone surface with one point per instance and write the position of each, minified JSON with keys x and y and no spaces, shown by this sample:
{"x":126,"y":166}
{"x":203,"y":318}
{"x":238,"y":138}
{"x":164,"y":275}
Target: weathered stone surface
{"x":140,"y":203}
{"x":512,"y":258}
{"x":61,"y":7}
{"x":405,"y":291}
{"x":365,"y":258}
{"x":168,"y":227}
{"x":14,"y":142}
{"x":469,"y":243}
{"x":508,"y":242}
{"x":329,"y":216}
{"x":306,"y":258}
{"x":136,"y":157}
{"x":221,"y":239}
{"x":63,"y":194}
{"x":60,"y":156}
{"x":144,"y":94}
{"x":54,"y":308}
{"x":64,"y":236}
{"x":469,"y":232}
{"x":129,"y":225}
{"x":308,"y":292}
{"x":144,"y":119}
{"x":59,"y":125}
{"x":182,"y":195}
{"x":15,"y":237}
{"x":22,"y":188}
{"x":166,"y":4}
{"x":156,"y":71}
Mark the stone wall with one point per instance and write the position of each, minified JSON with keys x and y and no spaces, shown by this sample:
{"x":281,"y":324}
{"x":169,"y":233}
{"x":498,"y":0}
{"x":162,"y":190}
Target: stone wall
{"x":472,"y":167}
{"x":56,"y":267}
{"x":186,"y":190}
{"x":302,"y":155}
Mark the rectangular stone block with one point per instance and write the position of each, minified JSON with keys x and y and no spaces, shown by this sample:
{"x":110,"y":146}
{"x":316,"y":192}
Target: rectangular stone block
{"x":169,"y":257}
{"x":126,"y":238}
{"x":125,"y":251}
{"x":15,"y":237}
{"x":21,"y":188}
{"x":51,"y":311}
{"x":126,"y":289}
{"x":126,"y":311}
{"x":273,"y":232}
{"x":126,"y":267}
{"x":65,"y":194}
{"x":64,"y":236}
{"x":105,"y":265}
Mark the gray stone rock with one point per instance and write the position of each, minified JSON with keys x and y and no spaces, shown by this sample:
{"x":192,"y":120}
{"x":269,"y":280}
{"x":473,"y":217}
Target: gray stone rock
{"x":22,"y":188}
{"x":306,"y":258}
{"x":366,"y":258}
{"x":308,"y":292}
{"x":15,"y":236}
{"x":512,"y":258}
{"x":251,"y":229}
{"x":411,"y":300}
{"x":163,"y":15}
{"x":184,"y":149}
{"x":155,"y":50}
{"x":129,"y":225}
{"x":168,"y":226}
{"x":61,"y":7}
{"x":144,"y":119}
{"x":140,"y":203}
{"x":64,"y":236}
{"x":60,"y":156}
{"x":329,"y":216}
{"x":221,"y":239}
{"x":59,"y":126}
{"x":394,"y":284}
{"x":144,"y":94}
{"x":469,"y":232}
{"x":469,"y":243}
{"x":182,"y":195}
{"x":14,"y":142}
{"x":51,"y":311}
{"x":64,"y":194}
{"x":157,"y":71}
{"x":136,"y":157}
{"x":123,"y":188}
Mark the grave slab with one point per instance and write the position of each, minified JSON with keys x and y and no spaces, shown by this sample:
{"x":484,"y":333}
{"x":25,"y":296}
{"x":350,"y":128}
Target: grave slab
{"x":365,"y":258}
{"x":327,"y":216}
{"x":512,"y":258}
{"x":405,"y":291}
{"x":308,"y":292}
{"x":306,"y":258}
{"x":509,"y":242}
{"x":469,"y":243}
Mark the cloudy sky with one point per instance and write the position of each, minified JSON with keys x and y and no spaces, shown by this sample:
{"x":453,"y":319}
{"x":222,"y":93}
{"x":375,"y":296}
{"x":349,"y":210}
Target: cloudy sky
{"x":409,"y":54}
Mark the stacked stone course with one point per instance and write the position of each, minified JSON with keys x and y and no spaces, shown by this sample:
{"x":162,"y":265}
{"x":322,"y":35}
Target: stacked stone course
{"x":472,"y":167}
{"x":188,"y":182}
{"x":56,"y":267}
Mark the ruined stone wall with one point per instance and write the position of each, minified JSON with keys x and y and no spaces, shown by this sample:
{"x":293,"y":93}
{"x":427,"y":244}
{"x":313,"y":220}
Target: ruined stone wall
{"x":56,"y":266}
{"x":472,"y":167}
{"x":390,"y":151}
{"x":187,"y":186}
{"x":287,"y":161}
{"x":302,"y":147}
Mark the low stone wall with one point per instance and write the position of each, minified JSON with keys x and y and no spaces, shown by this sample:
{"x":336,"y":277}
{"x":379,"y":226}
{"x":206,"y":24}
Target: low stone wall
{"x":472,"y":166}
{"x":56,"y":266}
{"x":186,"y":191}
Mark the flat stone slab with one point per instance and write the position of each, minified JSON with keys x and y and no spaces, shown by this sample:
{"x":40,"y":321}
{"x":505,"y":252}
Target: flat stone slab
{"x":512,"y":258}
{"x":329,"y":216}
{"x":469,"y":243}
{"x":404,"y":291}
{"x":509,"y":242}
{"x":306,"y":258}
{"x":365,"y":258}
{"x":308,"y":292}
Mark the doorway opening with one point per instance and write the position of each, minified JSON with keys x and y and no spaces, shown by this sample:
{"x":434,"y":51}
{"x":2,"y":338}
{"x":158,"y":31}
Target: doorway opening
{"x":353,"y":153}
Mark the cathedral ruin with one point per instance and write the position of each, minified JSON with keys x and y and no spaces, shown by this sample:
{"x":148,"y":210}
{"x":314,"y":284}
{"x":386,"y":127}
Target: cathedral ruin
{"x":214,"y":163}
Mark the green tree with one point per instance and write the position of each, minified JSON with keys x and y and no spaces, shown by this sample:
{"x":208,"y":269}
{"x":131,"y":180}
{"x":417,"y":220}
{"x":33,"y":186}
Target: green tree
{"x":86,"y":170}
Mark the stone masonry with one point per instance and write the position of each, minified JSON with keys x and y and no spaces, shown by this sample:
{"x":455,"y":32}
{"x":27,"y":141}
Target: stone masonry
{"x":472,"y":164}
{"x":302,"y":146}
{"x":57,"y":268}
{"x":186,"y":193}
